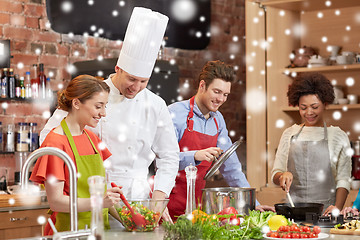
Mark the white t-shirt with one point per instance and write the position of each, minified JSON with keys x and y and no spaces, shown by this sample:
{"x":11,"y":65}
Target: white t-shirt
{"x":338,"y":143}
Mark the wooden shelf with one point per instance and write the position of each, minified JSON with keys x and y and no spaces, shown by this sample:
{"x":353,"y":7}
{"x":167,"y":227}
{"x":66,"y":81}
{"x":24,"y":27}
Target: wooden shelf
{"x":330,"y":107}
{"x":308,"y":5}
{"x":348,"y":67}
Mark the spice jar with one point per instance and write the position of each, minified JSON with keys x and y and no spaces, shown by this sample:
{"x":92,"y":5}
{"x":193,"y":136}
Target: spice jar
{"x":33,"y":137}
{"x":22,"y":144}
{"x":9,"y":138}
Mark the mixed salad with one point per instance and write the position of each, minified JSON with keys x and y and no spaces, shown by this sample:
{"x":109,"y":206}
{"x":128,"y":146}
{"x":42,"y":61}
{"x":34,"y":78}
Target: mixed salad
{"x":151,"y":218}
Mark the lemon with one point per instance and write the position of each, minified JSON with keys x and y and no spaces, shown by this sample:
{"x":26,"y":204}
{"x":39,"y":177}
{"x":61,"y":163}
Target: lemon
{"x":276,"y":221}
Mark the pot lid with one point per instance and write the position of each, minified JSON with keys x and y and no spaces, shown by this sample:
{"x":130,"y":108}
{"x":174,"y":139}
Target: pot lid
{"x":224,"y":156}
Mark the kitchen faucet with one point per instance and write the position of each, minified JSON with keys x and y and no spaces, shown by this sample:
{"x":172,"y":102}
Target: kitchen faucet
{"x":72,"y":172}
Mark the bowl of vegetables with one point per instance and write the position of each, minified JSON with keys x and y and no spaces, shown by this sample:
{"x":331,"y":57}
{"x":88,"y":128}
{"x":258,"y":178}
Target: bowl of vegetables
{"x":149,"y":211}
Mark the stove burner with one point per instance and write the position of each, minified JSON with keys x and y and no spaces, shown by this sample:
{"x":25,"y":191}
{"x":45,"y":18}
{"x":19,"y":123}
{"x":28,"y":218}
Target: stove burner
{"x":323,"y":221}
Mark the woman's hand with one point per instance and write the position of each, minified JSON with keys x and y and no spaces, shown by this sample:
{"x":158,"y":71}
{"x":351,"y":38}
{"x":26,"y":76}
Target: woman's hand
{"x":208,"y":154}
{"x":285,"y":181}
{"x":112,"y":196}
{"x":346,"y":210}
{"x":330,"y":210}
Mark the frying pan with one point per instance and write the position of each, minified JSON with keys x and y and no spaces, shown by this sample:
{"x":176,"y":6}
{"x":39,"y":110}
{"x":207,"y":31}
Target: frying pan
{"x":298,"y":213}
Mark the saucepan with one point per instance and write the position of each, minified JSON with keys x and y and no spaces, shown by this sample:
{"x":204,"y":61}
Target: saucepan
{"x":216,"y":199}
{"x":298,"y":213}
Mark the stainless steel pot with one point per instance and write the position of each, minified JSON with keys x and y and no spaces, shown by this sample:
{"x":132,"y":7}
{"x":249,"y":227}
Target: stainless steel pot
{"x":216,"y":199}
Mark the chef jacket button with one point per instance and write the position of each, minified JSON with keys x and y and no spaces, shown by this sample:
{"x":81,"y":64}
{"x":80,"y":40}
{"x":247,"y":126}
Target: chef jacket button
{"x":129,"y":148}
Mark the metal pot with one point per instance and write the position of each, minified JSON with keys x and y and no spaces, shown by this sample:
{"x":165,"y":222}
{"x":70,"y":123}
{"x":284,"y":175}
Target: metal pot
{"x":298,"y":213}
{"x":216,"y":199}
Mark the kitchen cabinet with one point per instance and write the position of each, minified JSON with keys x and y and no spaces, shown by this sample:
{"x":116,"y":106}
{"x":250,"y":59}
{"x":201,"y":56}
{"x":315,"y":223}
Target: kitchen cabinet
{"x":274,"y":28}
{"x":22,"y":224}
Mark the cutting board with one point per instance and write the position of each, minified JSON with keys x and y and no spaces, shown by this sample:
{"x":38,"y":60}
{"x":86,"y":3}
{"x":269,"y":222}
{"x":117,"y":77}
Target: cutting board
{"x":344,"y":231}
{"x":16,"y":200}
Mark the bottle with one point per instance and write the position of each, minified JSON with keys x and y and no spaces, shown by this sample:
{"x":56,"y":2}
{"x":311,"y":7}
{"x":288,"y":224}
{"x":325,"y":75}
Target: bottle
{"x":17,"y":86}
{"x":42,"y":82}
{"x":33,"y":137}
{"x":49,"y":93}
{"x":22,"y":134}
{"x":9,"y":138}
{"x":96,"y":189}
{"x":22,"y":88}
{"x":1,"y":138}
{"x":4,"y":84}
{"x":27,"y":83}
{"x":11,"y":81}
{"x":34,"y":82}
{"x":190,"y":188}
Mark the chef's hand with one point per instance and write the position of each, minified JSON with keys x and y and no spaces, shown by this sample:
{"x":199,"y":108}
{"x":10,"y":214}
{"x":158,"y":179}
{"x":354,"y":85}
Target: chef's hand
{"x":346,"y":210}
{"x":208,"y":154}
{"x":112,"y":196}
{"x":263,"y":208}
{"x":161,"y":195}
{"x":285,"y":181}
{"x":329,"y":210}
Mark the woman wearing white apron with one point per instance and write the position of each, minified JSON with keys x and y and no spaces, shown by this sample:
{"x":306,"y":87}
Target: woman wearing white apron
{"x":312,"y":161}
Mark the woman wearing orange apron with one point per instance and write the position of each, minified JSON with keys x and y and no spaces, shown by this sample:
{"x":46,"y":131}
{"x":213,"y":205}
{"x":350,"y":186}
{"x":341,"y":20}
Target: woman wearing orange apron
{"x":85,"y":99}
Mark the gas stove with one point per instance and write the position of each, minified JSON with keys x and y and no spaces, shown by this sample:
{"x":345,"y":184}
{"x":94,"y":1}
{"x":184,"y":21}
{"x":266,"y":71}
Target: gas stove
{"x":313,"y":219}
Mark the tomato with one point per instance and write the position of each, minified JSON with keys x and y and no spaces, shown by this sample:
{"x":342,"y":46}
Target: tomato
{"x":295,"y":235}
{"x":274,"y":235}
{"x":286,"y":228}
{"x":305,"y":229}
{"x":228,"y":210}
{"x":281,"y":229}
{"x":294,"y":228}
{"x":287,"y":235}
{"x":313,"y":235}
{"x":268,"y":234}
{"x":304,"y":235}
{"x":317,"y":229}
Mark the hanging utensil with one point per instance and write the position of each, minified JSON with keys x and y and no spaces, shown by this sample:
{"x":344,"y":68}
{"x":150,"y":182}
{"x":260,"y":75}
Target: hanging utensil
{"x":138,"y":219}
{"x":224,"y":156}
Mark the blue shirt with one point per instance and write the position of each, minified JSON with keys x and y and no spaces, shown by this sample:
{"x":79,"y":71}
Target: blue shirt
{"x":357,"y":201}
{"x":231,"y":168}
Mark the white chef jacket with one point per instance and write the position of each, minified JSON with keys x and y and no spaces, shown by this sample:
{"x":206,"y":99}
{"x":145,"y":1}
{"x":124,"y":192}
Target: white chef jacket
{"x":136,"y":131}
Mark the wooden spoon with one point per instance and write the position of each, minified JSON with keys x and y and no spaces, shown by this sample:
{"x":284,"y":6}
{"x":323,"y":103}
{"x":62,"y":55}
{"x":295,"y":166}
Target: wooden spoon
{"x":289,"y":198}
{"x":138,"y":219}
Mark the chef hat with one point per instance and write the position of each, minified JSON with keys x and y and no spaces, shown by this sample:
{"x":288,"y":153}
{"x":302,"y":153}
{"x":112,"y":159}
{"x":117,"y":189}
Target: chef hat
{"x":141,"y":45}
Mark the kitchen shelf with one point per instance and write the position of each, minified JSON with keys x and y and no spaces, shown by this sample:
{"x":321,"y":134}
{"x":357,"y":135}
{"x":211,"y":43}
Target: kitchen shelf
{"x":347,"y":67}
{"x":307,"y":5}
{"x":330,"y":107}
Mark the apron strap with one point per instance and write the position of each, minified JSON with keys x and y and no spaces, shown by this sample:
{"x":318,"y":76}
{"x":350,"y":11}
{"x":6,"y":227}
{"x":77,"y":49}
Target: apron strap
{"x":70,"y":138}
{"x":190,"y":121}
{"x":92,"y":144}
{"x":325,"y":132}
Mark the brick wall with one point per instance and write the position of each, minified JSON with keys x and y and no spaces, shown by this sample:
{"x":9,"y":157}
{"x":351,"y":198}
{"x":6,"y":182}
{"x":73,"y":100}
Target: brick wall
{"x":24,"y":22}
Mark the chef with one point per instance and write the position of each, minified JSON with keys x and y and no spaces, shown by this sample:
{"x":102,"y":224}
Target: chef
{"x":202,"y":135}
{"x":312,"y":161}
{"x":137,"y":128}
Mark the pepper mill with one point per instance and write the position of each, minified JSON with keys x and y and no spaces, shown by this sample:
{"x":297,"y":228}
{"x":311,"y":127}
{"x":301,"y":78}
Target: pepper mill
{"x":190,"y":190}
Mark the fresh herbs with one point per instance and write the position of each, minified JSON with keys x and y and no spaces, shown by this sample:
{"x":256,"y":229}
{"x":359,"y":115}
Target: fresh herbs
{"x":209,"y":227}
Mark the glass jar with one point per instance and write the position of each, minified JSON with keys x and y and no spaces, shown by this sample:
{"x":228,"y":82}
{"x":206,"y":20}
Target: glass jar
{"x":9,"y":138}
{"x":96,"y":189}
{"x":22,"y":143}
{"x":33,"y":137}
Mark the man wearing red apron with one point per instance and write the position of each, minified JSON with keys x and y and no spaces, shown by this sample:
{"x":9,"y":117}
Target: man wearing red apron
{"x":202,"y":135}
